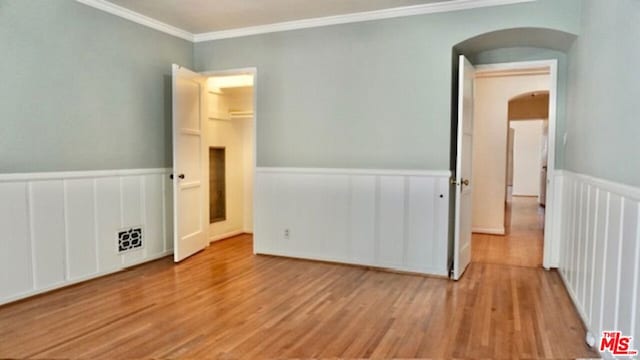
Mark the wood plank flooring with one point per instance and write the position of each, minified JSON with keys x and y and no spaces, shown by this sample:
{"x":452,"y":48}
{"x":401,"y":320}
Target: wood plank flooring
{"x":523,"y":244}
{"x":227,"y":303}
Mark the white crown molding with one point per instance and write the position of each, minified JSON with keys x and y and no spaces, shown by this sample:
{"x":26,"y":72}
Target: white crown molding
{"x":431,"y":8}
{"x":125,"y":13}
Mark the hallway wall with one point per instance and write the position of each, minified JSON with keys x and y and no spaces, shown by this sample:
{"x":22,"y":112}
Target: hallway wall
{"x":600,"y":252}
{"x":603,"y":127}
{"x":600,"y":225}
{"x":527,"y":161}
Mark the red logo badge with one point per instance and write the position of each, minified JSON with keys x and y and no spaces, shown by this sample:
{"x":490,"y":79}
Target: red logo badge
{"x":617,"y":344}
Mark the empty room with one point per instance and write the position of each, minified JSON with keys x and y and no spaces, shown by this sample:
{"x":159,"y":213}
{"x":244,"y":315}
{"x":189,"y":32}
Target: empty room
{"x":319,"y":179}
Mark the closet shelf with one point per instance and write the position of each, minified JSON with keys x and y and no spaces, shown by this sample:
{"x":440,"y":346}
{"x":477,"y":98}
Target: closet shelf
{"x":241,"y":114}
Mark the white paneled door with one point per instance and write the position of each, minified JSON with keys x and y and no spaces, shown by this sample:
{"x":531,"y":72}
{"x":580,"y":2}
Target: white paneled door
{"x":188,"y":188}
{"x":463,"y":181}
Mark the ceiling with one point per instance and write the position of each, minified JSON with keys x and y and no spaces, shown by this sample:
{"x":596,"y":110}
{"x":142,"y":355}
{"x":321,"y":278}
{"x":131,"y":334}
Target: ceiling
{"x":202,"y":16}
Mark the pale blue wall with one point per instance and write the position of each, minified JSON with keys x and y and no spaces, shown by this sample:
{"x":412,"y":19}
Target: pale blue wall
{"x":81,"y":89}
{"x":603,"y":122}
{"x":366,"y":95}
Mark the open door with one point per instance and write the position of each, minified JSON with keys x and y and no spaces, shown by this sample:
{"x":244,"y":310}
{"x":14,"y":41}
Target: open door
{"x":189,"y":200}
{"x":463,"y":181}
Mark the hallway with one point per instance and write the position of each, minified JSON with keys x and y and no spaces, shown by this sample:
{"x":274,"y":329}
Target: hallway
{"x":523,"y":244}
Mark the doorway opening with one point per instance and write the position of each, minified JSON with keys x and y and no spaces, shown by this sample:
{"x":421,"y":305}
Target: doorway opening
{"x":228,"y":135}
{"x":480,"y":128}
{"x":213,"y":157}
{"x":510,"y":156}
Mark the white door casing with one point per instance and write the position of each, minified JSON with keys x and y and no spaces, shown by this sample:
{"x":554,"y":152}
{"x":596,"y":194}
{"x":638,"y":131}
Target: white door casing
{"x":463,"y":180}
{"x":189,"y":205}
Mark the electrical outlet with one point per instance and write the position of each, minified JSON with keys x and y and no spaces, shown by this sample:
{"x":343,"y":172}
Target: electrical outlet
{"x":286,"y":233}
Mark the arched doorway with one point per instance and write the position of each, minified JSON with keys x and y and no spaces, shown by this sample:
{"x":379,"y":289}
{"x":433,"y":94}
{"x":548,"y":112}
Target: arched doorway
{"x":504,"y":54}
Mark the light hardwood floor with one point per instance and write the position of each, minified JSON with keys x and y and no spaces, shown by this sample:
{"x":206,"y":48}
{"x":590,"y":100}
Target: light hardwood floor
{"x":227,"y":303}
{"x":523,"y":244}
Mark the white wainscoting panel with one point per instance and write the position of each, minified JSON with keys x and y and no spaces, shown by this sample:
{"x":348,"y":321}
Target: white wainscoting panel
{"x":384,"y":218}
{"x":46,"y":200}
{"x":80,"y":224}
{"x":60,"y":228}
{"x":600,"y":252}
{"x":15,"y":243}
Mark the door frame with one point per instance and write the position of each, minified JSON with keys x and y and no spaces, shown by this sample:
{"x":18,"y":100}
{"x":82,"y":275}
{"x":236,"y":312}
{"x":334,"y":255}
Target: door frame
{"x":551,"y":243}
{"x":240,"y":71}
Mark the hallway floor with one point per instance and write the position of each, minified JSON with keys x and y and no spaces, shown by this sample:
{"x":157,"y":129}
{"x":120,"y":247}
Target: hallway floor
{"x":523,"y":244}
{"x":228,"y":303}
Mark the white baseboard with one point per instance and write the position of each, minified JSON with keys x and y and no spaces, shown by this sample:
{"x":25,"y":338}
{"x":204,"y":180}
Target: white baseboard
{"x":489,"y":231}
{"x":422,"y":270}
{"x":226,"y":235}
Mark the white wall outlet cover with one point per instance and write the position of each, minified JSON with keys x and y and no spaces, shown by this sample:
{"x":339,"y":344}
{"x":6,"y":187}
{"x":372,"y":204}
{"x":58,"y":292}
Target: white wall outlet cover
{"x":564,"y":139}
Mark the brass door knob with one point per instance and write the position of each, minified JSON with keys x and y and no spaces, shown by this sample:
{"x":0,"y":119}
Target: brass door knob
{"x":465,"y":182}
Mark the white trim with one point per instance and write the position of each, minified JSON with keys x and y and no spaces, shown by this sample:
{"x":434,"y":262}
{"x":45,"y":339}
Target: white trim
{"x":138,"y":18}
{"x":489,"y":231}
{"x":518,"y":66}
{"x":514,"y":72}
{"x":422,"y":9}
{"x":80,"y":279}
{"x":424,"y":270}
{"x":90,"y":174}
{"x":574,"y":299}
{"x":230,"y":72}
{"x":345,"y":171}
{"x":225,"y":235}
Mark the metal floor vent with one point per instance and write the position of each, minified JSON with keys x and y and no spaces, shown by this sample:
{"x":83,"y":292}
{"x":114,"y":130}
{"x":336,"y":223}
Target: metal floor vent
{"x":129,"y":239}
